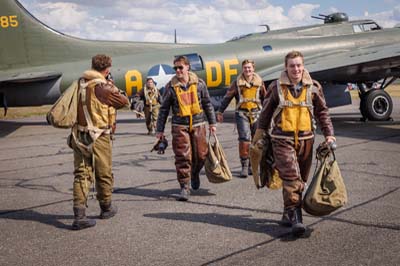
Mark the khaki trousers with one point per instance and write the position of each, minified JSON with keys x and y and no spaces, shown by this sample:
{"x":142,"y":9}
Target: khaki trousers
{"x":151,"y":116}
{"x":83,"y":170}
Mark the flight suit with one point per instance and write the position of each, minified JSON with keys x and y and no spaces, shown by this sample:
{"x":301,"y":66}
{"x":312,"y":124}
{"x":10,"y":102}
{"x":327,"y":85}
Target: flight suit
{"x":189,"y":140}
{"x":249,"y":97}
{"x":152,"y":100}
{"x":293,"y":150}
{"x":101,"y":101}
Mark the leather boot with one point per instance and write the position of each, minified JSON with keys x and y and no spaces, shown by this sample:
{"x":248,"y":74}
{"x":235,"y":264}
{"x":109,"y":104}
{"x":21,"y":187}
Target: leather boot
{"x":249,"y":170}
{"x":244,"y":147}
{"x":80,"y":219}
{"x":285,"y":221}
{"x":296,"y":218}
{"x":245,"y":167}
{"x":107,"y":210}
{"x":195,"y":181}
{"x":185,"y":193}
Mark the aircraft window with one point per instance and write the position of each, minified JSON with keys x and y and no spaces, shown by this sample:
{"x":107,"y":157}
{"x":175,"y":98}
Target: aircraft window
{"x":370,"y":26}
{"x":267,"y":48}
{"x":196,"y":62}
{"x":357,"y":28}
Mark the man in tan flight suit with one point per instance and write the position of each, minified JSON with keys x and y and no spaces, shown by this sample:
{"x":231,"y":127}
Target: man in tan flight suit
{"x":151,"y":97}
{"x":91,"y":140}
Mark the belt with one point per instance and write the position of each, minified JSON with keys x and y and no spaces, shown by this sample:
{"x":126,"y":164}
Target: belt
{"x":86,"y":130}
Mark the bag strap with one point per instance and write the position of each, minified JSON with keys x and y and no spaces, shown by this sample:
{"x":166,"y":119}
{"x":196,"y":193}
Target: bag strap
{"x":215,"y":137}
{"x":94,"y":132}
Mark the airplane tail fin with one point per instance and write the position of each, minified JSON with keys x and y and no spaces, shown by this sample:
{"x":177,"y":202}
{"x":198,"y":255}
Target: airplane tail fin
{"x":24,"y":39}
{"x":27,"y":42}
{"x":12,"y":31}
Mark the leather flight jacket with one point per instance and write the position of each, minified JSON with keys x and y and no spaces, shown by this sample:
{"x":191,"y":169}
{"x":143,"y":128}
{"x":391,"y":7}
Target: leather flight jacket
{"x":320,"y":110}
{"x":170,"y":101}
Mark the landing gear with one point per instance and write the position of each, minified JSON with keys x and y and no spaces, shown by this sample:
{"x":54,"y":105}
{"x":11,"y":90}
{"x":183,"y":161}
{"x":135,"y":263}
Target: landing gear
{"x":3,"y":102}
{"x":376,"y":104}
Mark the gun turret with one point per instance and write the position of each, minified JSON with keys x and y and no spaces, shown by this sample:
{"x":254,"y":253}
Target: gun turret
{"x":333,"y":18}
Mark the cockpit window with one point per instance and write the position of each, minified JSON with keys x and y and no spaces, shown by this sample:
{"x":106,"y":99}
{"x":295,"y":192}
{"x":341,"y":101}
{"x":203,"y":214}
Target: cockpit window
{"x":364,"y":27}
{"x":195,"y":60}
{"x":357,"y":28}
{"x":371,"y":26}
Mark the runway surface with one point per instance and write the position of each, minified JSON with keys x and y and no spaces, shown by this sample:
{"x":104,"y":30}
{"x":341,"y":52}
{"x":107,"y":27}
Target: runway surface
{"x":224,"y":224}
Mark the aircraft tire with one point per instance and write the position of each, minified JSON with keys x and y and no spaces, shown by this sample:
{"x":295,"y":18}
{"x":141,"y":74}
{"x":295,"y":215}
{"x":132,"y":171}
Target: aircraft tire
{"x":376,"y":105}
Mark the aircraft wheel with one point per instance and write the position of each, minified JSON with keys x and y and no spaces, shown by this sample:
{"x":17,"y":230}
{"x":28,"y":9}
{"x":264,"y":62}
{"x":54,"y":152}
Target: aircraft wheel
{"x":376,"y":105}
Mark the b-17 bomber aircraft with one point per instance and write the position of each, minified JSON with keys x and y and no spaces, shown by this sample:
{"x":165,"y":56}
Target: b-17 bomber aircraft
{"x":38,"y":63}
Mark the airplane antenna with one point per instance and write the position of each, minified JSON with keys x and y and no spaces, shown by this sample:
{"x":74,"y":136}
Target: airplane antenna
{"x":175,"y":36}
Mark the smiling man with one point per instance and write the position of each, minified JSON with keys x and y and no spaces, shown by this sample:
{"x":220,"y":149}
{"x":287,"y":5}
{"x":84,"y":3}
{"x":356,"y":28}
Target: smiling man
{"x":249,"y":92}
{"x":188,"y":97}
{"x":291,"y":105}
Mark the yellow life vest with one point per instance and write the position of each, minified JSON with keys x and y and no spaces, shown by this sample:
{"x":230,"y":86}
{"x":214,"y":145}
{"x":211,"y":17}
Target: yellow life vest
{"x":249,"y":92}
{"x":151,"y":94}
{"x":296,"y":115}
{"x":248,"y":98}
{"x":188,"y":102}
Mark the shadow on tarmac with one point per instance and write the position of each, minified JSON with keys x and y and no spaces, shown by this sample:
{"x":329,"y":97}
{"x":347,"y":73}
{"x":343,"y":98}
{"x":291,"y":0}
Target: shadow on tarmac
{"x":8,"y":127}
{"x":157,"y":194}
{"x":49,"y":219}
{"x":242,"y":222}
{"x":30,"y":215}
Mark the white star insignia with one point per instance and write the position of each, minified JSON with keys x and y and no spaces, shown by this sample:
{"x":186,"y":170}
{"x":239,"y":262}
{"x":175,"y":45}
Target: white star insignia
{"x":162,"y":78}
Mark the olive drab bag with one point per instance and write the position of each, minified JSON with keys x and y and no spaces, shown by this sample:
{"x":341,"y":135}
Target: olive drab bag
{"x":326,"y":192}
{"x":64,"y":112}
{"x":268,"y":171}
{"x":216,"y":166}
{"x":262,"y":164}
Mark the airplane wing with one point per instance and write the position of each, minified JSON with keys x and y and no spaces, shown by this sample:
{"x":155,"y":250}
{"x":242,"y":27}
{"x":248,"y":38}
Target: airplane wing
{"x":375,"y":62}
{"x":364,"y":56}
{"x":29,"y":77}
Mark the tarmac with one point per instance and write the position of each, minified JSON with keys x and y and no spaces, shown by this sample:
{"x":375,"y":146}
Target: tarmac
{"x":223,"y":224}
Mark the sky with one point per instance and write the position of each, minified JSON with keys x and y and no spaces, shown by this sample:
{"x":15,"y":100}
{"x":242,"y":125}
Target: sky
{"x":196,"y":21}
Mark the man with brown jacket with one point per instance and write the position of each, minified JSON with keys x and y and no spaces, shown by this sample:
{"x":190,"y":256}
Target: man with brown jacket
{"x":291,"y":105}
{"x":188,"y":97}
{"x":249,"y":92}
{"x":91,"y":140}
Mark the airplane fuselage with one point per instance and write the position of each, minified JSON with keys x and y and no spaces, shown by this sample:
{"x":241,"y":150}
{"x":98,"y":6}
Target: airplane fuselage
{"x":37,"y":63}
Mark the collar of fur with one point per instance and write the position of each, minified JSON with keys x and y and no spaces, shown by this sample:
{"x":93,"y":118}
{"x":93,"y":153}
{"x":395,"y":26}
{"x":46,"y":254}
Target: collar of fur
{"x":150,"y":88}
{"x":193,"y":79}
{"x":306,"y":79}
{"x":256,"y":81}
{"x":93,"y":74}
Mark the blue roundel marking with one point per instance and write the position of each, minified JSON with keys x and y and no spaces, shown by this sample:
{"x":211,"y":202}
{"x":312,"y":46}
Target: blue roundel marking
{"x":161,"y":74}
